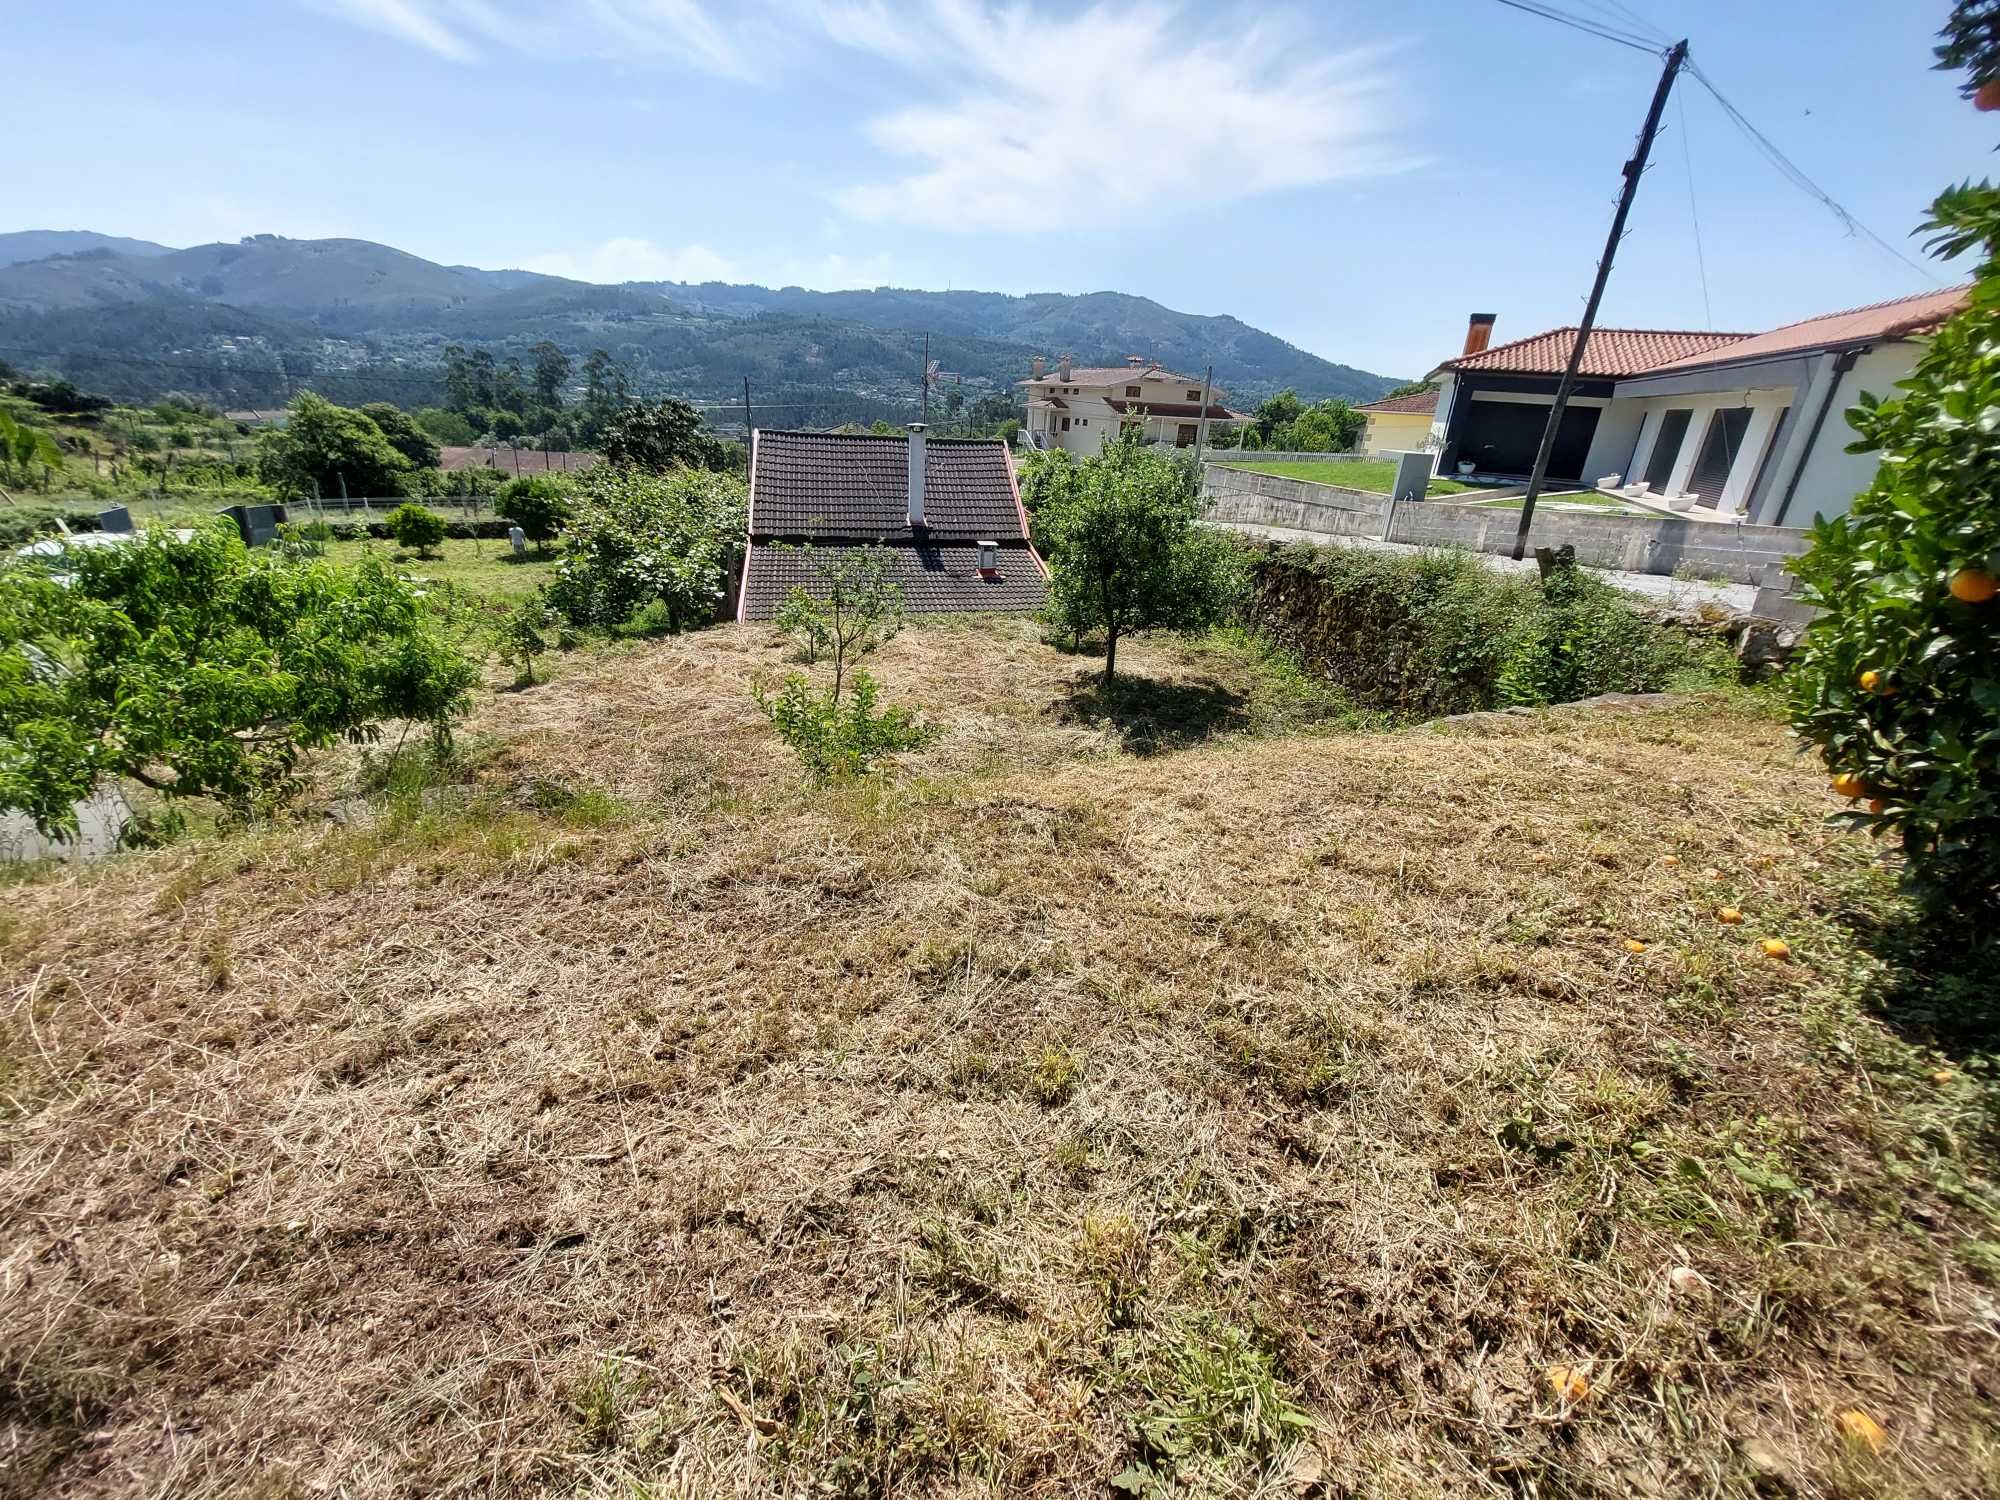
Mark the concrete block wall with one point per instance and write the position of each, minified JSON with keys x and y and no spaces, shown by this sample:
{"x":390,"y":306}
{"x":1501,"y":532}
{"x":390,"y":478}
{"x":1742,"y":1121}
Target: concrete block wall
{"x":1632,"y":544}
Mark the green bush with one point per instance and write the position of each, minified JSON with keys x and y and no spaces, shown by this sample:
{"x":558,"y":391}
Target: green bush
{"x":634,"y":537}
{"x":839,"y":735}
{"x":1898,"y":681}
{"x":536,"y":503}
{"x":416,"y":527}
{"x":1438,"y":632}
{"x":23,"y":523}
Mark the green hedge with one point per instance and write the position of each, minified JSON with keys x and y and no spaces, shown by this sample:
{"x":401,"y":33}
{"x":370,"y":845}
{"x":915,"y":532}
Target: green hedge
{"x":23,"y":523}
{"x":1431,"y":633}
{"x":354,"y":531}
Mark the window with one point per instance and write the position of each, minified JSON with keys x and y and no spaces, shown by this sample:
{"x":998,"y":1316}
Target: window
{"x":1194,"y":395}
{"x":1131,"y":390}
{"x":1719,"y":447}
{"x":1667,"y":448}
{"x":1065,"y":424}
{"x":1770,"y":452}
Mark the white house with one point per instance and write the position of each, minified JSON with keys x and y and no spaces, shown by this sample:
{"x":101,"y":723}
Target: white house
{"x":1751,"y":425}
{"x":1081,"y":408}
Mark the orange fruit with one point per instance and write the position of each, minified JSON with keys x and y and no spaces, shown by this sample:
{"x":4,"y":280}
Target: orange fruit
{"x":1974,"y":585}
{"x":1988,"y":96}
{"x":1568,"y":1382}
{"x":1670,"y":860}
{"x":1860,"y":1428}
{"x":1869,"y":680}
{"x":1875,"y":805}
{"x":1633,"y":945}
{"x":1776,"y":948}
{"x":1847,"y":784}
{"x":1942,"y":1075}
{"x":1728,"y":916}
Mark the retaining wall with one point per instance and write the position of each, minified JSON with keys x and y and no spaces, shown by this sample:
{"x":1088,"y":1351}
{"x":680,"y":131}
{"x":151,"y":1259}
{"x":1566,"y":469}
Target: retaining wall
{"x":1630,"y":543}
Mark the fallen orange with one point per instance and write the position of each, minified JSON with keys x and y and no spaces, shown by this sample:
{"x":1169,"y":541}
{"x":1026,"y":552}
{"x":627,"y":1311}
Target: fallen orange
{"x":1729,"y":916}
{"x":1776,"y":948}
{"x":1670,"y":860}
{"x":1633,"y":945}
{"x":1974,"y":585}
{"x":1859,"y":1427}
{"x":1568,"y":1382}
{"x":1847,"y":784}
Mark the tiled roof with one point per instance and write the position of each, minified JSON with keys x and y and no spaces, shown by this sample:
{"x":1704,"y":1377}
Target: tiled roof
{"x":1113,"y":375}
{"x":1879,"y":320}
{"x":1419,"y":402}
{"x":857,"y":487}
{"x":1175,"y":409}
{"x":934,"y":580}
{"x":1610,"y":354}
{"x":529,"y":460}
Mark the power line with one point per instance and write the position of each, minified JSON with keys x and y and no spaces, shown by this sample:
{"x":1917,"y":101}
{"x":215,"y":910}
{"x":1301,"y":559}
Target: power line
{"x":1796,"y":175}
{"x":1580,"y":23}
{"x":1694,"y":213}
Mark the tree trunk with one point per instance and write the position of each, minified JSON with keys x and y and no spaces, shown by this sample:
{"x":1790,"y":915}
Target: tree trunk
{"x":1110,"y":655}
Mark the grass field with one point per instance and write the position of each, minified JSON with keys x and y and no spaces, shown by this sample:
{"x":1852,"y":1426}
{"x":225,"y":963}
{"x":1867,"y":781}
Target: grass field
{"x":1172,"y":1089}
{"x":1378,"y":475}
{"x":487,"y":568}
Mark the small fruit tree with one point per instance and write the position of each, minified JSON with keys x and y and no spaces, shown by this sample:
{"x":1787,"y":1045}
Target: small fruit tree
{"x":417,"y":527}
{"x":1899,"y":680}
{"x":1125,"y":551}
{"x":201,"y":669}
{"x":536,"y":504}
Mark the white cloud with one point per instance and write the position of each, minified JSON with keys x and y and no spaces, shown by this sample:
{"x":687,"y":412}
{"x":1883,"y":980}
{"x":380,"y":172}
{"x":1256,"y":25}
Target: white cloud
{"x":1101,"y":116}
{"x":628,"y":259}
{"x":676,"y":30}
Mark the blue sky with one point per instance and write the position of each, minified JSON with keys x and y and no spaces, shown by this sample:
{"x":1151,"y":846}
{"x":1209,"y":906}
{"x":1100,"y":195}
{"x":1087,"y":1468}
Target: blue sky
{"x":1356,"y":178}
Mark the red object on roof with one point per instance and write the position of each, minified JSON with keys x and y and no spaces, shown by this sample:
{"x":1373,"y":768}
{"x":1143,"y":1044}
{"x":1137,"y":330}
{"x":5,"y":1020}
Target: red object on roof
{"x":1421,"y":402}
{"x":1610,"y":354}
{"x":1902,"y":318}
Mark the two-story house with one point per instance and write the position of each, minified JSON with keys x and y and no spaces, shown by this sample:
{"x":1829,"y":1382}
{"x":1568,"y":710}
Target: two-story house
{"x":1082,"y":408}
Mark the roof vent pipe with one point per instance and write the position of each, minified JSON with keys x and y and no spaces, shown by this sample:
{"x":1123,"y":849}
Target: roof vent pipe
{"x":916,"y":475}
{"x":1478,"y":333}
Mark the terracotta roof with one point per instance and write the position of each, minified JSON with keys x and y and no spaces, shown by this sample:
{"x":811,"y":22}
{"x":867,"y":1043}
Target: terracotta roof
{"x":1611,"y":352}
{"x":1113,"y":375}
{"x":1176,"y":409}
{"x":1858,"y":325}
{"x":1418,"y":402}
{"x":531,"y":460}
{"x":934,"y":580}
{"x":856,"y":487}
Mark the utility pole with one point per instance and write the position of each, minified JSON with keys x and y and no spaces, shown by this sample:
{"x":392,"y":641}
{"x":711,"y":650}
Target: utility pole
{"x":1634,"y":169}
{"x":925,"y":378}
{"x":746,"y":417}
{"x":1201,"y":421}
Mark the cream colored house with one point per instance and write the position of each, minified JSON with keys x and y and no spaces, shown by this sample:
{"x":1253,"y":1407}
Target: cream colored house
{"x":1081,"y":408}
{"x":1398,"y":424}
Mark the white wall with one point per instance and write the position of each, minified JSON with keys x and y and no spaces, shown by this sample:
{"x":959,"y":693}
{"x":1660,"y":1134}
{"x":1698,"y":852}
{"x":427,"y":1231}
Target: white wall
{"x":1832,"y":476}
{"x":1765,"y":404}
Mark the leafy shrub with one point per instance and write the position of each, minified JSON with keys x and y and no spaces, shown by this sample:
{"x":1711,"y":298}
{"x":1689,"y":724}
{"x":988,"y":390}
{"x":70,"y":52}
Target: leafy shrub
{"x":23,"y":523}
{"x":1898,"y":681}
{"x":851,"y":609}
{"x":475,"y":481}
{"x":328,"y":450}
{"x":661,"y":436}
{"x":536,"y":503}
{"x":839,"y":735}
{"x":519,"y":638}
{"x":1438,"y":632}
{"x":635,"y":537}
{"x":417,"y":527}
{"x":201,"y":669}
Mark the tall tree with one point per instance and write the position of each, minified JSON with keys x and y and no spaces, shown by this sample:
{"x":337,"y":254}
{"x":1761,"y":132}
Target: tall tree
{"x":458,"y":394}
{"x":403,"y":433}
{"x":552,"y":368}
{"x":480,"y":366}
{"x":604,"y":392}
{"x":510,"y":386}
{"x":660,"y":436}
{"x":329,"y":450}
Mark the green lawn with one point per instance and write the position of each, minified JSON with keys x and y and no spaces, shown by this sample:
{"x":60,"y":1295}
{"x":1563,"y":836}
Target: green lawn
{"x":1607,"y":504}
{"x":486,"y":568}
{"x":1378,"y":475}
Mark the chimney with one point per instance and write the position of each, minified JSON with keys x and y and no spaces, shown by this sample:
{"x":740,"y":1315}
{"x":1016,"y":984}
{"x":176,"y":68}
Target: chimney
{"x":1478,"y":333}
{"x":916,"y":475}
{"x":1064,"y":364}
{"x":1136,"y":361}
{"x":989,"y":561}
{"x":1037,"y":368}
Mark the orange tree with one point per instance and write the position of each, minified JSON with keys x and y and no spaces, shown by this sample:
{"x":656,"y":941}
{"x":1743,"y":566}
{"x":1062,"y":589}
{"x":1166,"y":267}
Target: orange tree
{"x":1898,"y":683}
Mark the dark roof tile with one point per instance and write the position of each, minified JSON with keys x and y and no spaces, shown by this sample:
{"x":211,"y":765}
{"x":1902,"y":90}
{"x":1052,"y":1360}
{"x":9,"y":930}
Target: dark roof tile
{"x":934,"y":580}
{"x":856,"y":486}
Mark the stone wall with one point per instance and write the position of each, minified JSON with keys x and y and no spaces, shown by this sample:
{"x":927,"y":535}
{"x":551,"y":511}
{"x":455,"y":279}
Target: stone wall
{"x":1631,"y":543}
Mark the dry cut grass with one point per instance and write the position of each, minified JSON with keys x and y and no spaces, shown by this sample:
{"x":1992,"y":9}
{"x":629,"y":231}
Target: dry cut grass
{"x":1125,"y":1095}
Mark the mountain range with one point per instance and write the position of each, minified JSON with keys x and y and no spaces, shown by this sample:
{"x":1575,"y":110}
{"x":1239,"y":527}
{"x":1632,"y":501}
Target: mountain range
{"x":249,"y":322}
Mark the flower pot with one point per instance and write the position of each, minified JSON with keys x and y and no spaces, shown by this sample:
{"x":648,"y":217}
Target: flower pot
{"x":1466,"y":466}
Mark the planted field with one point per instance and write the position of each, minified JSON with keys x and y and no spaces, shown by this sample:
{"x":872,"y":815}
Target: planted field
{"x":1364,"y":474}
{"x":1148,"y":1089}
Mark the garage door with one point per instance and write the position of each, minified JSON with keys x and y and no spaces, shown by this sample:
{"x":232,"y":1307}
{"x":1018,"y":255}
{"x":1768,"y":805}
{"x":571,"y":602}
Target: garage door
{"x":1501,"y":437}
